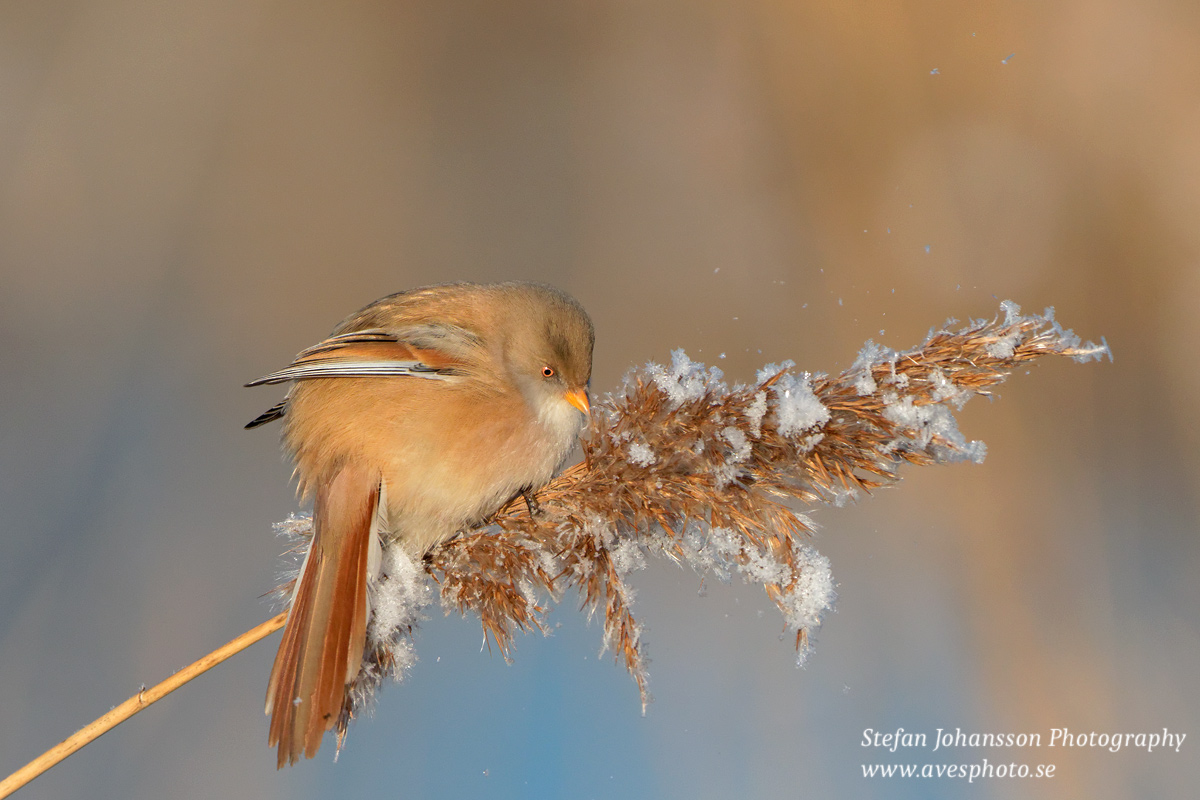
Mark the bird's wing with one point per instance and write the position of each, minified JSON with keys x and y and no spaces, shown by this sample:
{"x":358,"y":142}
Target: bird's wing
{"x":363,"y":354}
{"x":373,"y":353}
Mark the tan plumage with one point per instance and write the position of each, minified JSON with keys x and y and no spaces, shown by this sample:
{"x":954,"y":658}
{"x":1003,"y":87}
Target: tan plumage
{"x":420,"y":415}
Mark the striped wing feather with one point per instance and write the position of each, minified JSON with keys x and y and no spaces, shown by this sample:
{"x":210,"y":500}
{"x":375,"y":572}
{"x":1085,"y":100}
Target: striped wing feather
{"x":360,"y":354}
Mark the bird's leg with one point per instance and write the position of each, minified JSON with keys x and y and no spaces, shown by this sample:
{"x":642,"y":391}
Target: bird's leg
{"x":531,"y":503}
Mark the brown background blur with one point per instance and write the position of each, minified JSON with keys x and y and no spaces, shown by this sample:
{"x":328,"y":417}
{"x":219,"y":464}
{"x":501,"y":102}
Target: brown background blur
{"x":192,"y":192}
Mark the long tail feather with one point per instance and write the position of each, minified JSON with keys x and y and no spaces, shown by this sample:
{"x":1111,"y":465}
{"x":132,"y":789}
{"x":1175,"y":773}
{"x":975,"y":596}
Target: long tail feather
{"x":322,"y":646}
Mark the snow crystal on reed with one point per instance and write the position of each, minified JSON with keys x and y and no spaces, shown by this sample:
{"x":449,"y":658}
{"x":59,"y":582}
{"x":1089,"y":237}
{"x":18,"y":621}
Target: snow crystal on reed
{"x":295,"y":527}
{"x":771,"y":370}
{"x":1083,"y":352}
{"x":1004,"y":346}
{"x":755,"y":413}
{"x":1012,"y":312}
{"x":714,"y":550}
{"x":297,"y":530}
{"x":1080,"y":351}
{"x":641,"y":454}
{"x":627,"y":556}
{"x":807,"y":589}
{"x":759,"y":566}
{"x":686,"y":380}
{"x":931,"y":425}
{"x":399,"y":598}
{"x":738,"y":442}
{"x":812,"y":595}
{"x":730,"y":469}
{"x":870,"y":355}
{"x":797,"y":408}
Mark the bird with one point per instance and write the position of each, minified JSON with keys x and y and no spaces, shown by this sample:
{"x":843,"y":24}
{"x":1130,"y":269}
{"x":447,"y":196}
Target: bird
{"x":421,"y":415}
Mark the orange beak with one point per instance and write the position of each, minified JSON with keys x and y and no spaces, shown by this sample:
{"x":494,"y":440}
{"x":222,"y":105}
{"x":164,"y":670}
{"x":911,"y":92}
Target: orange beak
{"x":579,"y":399}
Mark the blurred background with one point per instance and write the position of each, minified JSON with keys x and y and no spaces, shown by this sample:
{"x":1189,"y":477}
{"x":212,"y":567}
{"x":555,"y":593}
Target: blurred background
{"x":192,"y":192}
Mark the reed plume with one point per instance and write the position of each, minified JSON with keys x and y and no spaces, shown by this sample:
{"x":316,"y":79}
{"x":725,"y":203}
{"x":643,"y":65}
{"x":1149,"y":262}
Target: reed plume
{"x":680,"y":464}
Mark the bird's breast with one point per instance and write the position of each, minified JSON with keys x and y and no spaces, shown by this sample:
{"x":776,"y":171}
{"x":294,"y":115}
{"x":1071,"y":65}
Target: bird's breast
{"x":449,"y":453}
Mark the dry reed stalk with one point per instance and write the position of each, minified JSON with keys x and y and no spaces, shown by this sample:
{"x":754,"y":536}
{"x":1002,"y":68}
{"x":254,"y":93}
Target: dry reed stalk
{"x":95,"y":729}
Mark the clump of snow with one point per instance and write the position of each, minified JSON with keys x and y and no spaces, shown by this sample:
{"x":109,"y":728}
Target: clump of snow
{"x":841,"y":495}
{"x":297,"y":530}
{"x":946,"y":390}
{"x":756,"y":412}
{"x":1004,"y":346}
{"x":759,"y":566}
{"x":725,"y":474}
{"x":1090,"y":351}
{"x":807,"y":592}
{"x":620,"y":436}
{"x":399,"y":597}
{"x":740,"y":449}
{"x":1012,"y":312}
{"x":813,"y":594}
{"x":739,"y":444}
{"x":686,"y":380}
{"x":870,"y":355}
{"x":931,"y":424}
{"x":709,"y":549}
{"x":807,"y":589}
{"x":627,"y":556}
{"x":797,"y":407}
{"x":865,"y":383}
{"x":641,"y":454}
{"x":771,"y":370}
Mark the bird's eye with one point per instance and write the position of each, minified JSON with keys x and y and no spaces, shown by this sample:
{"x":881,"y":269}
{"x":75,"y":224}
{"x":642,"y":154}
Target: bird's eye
{"x":547,"y":372}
